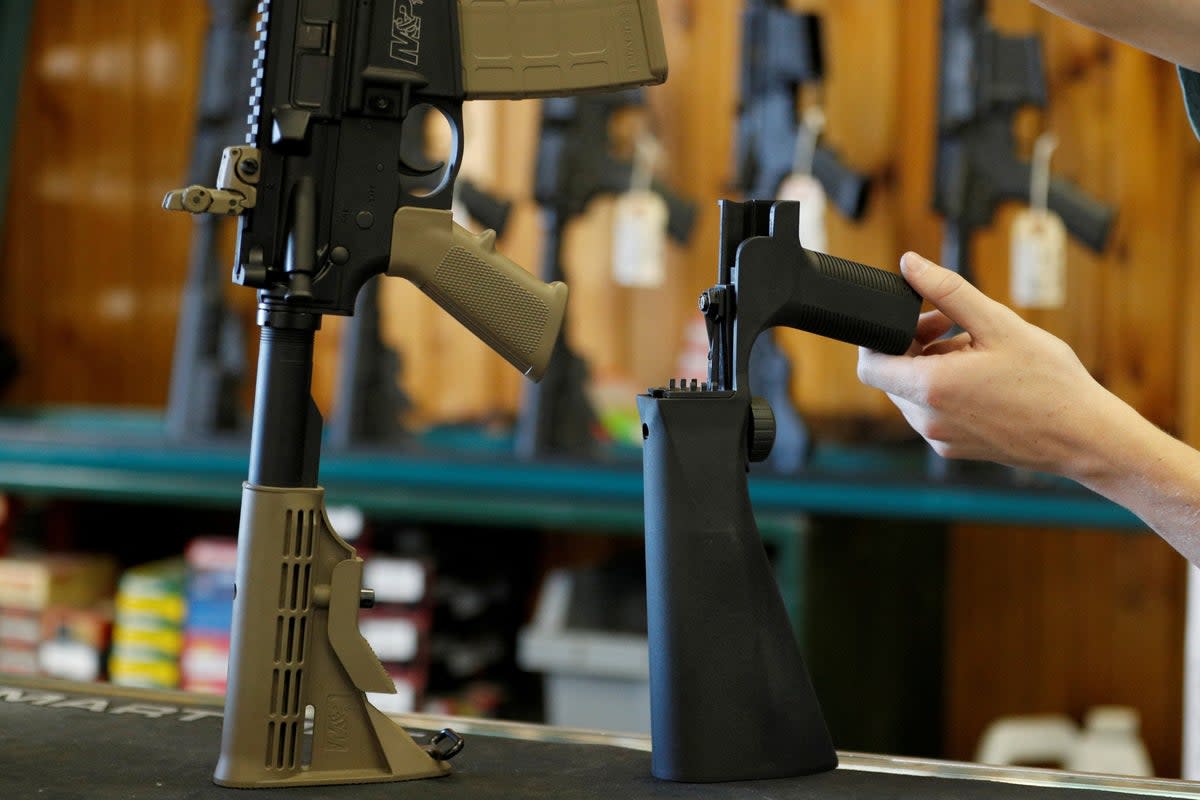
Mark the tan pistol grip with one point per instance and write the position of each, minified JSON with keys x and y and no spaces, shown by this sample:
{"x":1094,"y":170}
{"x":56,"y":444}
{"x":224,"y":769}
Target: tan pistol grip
{"x":539,"y":48}
{"x":513,"y":312}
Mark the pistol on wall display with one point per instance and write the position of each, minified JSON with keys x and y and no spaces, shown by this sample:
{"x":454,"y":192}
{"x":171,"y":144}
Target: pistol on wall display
{"x":782,"y":52}
{"x":725,"y":667}
{"x":575,"y":164}
{"x":326,"y":202}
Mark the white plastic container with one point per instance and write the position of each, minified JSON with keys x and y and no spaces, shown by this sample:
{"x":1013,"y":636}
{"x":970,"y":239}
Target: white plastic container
{"x":1108,"y":742}
{"x":593,"y":679}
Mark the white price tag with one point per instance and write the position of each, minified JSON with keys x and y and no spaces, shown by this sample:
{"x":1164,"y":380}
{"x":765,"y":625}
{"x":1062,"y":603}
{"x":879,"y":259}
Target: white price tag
{"x":1038,"y":273}
{"x":808,"y":192}
{"x":640,"y":239}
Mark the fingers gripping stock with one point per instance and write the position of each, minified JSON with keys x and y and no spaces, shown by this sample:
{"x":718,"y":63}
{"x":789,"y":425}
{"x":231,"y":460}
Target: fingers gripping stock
{"x":725,"y":667}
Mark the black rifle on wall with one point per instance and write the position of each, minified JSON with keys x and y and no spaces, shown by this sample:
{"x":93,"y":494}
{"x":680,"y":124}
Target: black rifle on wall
{"x":781,"y":51}
{"x":575,"y":164}
{"x":985,"y":78}
{"x":208,"y":366}
{"x":16,"y":19}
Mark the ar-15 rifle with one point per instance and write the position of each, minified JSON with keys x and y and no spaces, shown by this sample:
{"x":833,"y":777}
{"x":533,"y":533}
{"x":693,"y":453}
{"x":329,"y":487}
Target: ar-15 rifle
{"x":781,"y":51}
{"x":209,"y":361}
{"x":326,"y":202}
{"x":986,"y":77}
{"x":369,"y":403}
{"x":575,"y":164}
{"x":724,"y":663}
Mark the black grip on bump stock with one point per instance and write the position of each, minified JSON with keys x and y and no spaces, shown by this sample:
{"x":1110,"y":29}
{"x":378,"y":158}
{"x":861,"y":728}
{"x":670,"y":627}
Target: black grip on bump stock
{"x":778,"y":282}
{"x":865,"y":306}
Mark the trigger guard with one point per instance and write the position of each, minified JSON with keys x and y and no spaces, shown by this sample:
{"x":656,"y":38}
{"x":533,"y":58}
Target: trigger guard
{"x":419,"y":176}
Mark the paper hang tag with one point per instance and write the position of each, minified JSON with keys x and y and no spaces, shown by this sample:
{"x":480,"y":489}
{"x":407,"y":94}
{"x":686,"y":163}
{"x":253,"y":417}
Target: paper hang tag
{"x":640,"y":239}
{"x":1038,"y":271}
{"x":808,"y":192}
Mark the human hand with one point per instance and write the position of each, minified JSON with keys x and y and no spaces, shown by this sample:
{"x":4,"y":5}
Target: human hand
{"x":1001,"y":390}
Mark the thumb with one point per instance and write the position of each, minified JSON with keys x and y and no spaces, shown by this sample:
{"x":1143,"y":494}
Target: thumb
{"x":953,"y":295}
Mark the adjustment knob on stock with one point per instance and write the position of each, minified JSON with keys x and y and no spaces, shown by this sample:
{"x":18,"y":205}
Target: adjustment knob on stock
{"x":762,"y":429}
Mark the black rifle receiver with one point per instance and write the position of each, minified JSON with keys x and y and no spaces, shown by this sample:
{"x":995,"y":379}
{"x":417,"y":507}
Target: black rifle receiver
{"x":575,"y":164}
{"x":724,"y":664}
{"x":327,"y":201}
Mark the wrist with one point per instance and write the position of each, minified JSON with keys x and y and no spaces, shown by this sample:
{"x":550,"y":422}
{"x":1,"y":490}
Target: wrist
{"x":1116,"y":447}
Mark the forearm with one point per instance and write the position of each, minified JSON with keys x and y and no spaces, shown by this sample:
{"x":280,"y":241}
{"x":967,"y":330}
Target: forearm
{"x":1132,"y":462}
{"x":1007,"y":391}
{"x":1168,"y":29}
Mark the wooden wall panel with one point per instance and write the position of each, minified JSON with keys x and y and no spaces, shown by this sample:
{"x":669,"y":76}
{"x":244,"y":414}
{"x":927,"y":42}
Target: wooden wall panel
{"x":1042,"y":620}
{"x":92,"y":269}
{"x":1053,"y":621}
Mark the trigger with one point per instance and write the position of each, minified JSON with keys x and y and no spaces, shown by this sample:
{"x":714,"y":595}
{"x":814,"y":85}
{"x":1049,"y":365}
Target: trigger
{"x":419,"y":171}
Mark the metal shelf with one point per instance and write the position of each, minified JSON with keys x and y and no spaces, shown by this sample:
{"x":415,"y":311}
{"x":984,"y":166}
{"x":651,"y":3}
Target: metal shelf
{"x":469,"y":476}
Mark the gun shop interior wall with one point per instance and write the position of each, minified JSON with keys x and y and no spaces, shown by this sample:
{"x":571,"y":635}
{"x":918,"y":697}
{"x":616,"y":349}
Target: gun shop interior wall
{"x":1038,"y":620}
